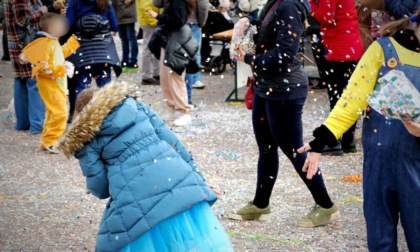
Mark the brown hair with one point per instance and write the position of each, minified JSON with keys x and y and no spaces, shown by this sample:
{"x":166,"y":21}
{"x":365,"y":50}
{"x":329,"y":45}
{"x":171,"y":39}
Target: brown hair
{"x":191,"y":5}
{"x":103,"y":5}
{"x":47,"y":19}
{"x":393,"y":27}
{"x":83,"y":99}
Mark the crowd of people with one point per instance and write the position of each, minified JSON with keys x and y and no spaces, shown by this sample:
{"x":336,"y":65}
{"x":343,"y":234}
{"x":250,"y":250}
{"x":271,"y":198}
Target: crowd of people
{"x":158,"y":198}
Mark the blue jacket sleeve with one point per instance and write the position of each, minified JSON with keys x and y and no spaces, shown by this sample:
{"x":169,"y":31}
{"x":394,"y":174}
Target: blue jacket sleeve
{"x":70,"y":14}
{"x":112,"y":19}
{"x":289,"y":27}
{"x":94,"y":170}
{"x":401,"y":8}
{"x":167,"y":135}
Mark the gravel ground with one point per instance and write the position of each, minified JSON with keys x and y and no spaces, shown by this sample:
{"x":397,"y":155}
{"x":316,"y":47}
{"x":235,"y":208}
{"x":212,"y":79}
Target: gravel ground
{"x":44,"y":207}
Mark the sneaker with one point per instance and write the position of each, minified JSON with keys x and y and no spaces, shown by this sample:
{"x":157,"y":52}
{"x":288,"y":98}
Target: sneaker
{"x":333,"y":151}
{"x":319,"y":216}
{"x":133,"y":65}
{"x":192,"y":106}
{"x":157,"y":77}
{"x":50,"y":149}
{"x":151,"y":81}
{"x":251,"y":212}
{"x":183,"y":121}
{"x":198,"y":85}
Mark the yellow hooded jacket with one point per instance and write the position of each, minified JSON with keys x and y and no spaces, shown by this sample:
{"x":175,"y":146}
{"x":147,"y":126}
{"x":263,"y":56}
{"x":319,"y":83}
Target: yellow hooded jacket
{"x":47,"y":57}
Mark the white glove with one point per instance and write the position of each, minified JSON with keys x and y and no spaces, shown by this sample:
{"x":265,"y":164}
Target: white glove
{"x":69,"y":69}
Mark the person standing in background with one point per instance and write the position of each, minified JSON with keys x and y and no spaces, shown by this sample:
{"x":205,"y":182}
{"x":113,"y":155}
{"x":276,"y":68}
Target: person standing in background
{"x":125,"y":11}
{"x":196,"y":20}
{"x":364,"y":13}
{"x":248,"y":8}
{"x":342,"y":40}
{"x":29,"y":107}
{"x":150,"y":65}
{"x":402,"y":8}
{"x":94,"y":22}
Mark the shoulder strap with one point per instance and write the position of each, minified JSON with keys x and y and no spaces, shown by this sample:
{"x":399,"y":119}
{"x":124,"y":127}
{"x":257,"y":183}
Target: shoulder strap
{"x":271,"y":9}
{"x":388,"y":48}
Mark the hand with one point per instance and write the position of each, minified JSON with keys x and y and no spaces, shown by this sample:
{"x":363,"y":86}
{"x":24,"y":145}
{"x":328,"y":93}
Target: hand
{"x":63,"y":11}
{"x":127,"y":2}
{"x":241,"y":56}
{"x":58,"y":5}
{"x":214,"y":190}
{"x":43,"y":9}
{"x":152,"y":14}
{"x":312,"y":161}
{"x":413,"y":128}
{"x":22,"y":59}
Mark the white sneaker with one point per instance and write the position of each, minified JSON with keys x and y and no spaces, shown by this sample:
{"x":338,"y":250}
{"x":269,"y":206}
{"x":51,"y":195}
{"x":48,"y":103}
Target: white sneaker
{"x":193,"y":106}
{"x":50,"y":149}
{"x":199,"y":85}
{"x":183,"y":121}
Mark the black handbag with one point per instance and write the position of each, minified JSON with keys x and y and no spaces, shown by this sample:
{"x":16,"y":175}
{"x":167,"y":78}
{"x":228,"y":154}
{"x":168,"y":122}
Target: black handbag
{"x":91,"y":25}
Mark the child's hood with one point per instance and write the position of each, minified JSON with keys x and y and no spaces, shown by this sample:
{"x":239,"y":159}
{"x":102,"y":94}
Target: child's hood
{"x":89,"y":121}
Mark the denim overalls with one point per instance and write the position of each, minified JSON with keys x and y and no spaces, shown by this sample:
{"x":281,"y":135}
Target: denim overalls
{"x":391,"y":171}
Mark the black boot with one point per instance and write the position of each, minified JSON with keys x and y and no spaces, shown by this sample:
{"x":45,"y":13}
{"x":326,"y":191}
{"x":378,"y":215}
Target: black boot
{"x":333,"y":151}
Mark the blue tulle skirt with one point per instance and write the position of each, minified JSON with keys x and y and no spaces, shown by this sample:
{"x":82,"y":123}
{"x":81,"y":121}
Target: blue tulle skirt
{"x":195,"y":230}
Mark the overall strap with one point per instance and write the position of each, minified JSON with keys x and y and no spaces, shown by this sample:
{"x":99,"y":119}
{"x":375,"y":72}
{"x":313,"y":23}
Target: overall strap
{"x":388,"y":48}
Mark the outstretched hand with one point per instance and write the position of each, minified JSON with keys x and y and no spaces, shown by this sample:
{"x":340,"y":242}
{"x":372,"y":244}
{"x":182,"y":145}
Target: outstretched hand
{"x":312,"y":161}
{"x":412,"y":127}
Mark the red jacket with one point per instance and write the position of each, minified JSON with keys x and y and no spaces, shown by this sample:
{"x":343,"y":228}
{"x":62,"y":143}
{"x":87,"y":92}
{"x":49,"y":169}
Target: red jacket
{"x":340,"y":29}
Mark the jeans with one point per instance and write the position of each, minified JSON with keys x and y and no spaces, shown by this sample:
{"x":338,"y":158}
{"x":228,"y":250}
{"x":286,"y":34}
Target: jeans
{"x":128,"y":37}
{"x":29,"y":107}
{"x":190,"y":79}
{"x":83,"y":77}
{"x":150,"y":65}
{"x":279,"y":124}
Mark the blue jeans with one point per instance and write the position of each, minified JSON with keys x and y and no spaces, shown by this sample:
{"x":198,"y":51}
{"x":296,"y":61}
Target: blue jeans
{"x":190,"y":79}
{"x":29,"y":107}
{"x":391,"y":172}
{"x":128,"y":37}
{"x":278,"y":124}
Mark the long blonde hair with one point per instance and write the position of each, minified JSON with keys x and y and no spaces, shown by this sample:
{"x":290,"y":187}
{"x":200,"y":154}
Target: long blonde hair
{"x":393,"y":27}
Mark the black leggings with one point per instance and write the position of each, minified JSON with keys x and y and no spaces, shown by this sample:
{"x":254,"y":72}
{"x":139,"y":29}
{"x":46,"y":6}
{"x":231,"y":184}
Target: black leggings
{"x":279,"y":124}
{"x":337,"y":79}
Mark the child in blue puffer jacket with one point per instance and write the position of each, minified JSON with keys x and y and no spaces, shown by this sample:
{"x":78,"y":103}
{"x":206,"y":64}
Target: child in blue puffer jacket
{"x":158,"y":201}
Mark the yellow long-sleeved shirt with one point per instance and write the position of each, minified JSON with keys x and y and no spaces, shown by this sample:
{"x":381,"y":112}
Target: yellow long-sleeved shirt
{"x":353,"y":102}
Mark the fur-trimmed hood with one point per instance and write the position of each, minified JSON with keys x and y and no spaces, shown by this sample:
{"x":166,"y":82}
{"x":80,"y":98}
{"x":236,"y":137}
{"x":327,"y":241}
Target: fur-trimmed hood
{"x":88,"y":122}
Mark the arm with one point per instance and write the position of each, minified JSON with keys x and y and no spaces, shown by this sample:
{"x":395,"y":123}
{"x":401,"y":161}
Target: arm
{"x":289,"y":29}
{"x":202,"y":11}
{"x":324,"y":11}
{"x":167,"y":135}
{"x":70,"y":14}
{"x":353,"y":100}
{"x":70,"y":46}
{"x":94,"y":170}
{"x":24,"y":13}
{"x":174,"y":17}
{"x":112,"y":19}
{"x":401,"y":8}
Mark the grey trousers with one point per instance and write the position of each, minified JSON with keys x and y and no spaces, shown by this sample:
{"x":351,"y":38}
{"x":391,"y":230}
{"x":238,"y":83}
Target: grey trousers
{"x":150,"y":65}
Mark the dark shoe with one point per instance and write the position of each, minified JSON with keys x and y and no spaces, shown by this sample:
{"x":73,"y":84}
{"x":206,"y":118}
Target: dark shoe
{"x":124,"y":64}
{"x":334,"y":151}
{"x":156,"y":77}
{"x":151,"y":81}
{"x":133,"y":65}
{"x":70,"y":119}
{"x":349,"y":148}
{"x":5,"y":58}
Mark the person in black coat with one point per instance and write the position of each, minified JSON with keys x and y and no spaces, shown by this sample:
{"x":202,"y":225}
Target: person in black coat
{"x":178,"y":48}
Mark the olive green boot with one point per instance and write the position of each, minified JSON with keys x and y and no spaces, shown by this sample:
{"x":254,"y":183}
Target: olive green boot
{"x":319,"y":216}
{"x":251,"y":212}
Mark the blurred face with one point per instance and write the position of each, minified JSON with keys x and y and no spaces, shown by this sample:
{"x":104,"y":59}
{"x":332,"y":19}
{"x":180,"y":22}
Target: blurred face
{"x":58,"y":27}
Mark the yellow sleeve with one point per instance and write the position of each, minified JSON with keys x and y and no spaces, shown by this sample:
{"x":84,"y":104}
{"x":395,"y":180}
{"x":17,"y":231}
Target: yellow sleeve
{"x":353,"y":102}
{"x":70,"y":46}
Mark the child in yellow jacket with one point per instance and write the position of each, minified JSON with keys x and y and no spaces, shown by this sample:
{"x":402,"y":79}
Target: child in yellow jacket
{"x":47,"y":57}
{"x":391,"y":167}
